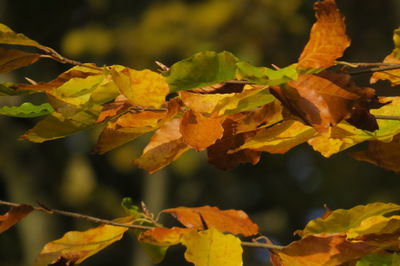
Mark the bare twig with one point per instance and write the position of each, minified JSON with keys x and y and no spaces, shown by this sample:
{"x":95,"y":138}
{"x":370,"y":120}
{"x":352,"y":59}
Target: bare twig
{"x":387,"y":117}
{"x":48,"y":210}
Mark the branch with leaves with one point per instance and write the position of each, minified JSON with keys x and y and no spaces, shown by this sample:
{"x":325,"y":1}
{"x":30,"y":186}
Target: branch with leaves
{"x":216,"y":102}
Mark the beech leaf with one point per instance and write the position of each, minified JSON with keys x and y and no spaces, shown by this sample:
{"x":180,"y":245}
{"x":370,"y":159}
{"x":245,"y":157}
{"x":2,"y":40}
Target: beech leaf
{"x":76,"y":246}
{"x":380,"y":259}
{"x":328,"y":38}
{"x":163,"y":236}
{"x":8,"y":36}
{"x":14,"y":216}
{"x":200,"y":70}
{"x":231,"y":221}
{"x":264,"y":75}
{"x":341,"y":221}
{"x":14,"y":59}
{"x":212,"y":248}
{"x":27,"y":110}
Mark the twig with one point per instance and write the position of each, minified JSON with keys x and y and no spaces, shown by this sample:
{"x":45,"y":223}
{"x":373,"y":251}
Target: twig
{"x":59,"y":58}
{"x":387,"y":117}
{"x":131,"y":226}
{"x":79,"y":216}
{"x":356,"y":65}
{"x":375,"y":69}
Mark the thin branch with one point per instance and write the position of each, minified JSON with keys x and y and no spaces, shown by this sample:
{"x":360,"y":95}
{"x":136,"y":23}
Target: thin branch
{"x":356,"y":65}
{"x":375,"y":69}
{"x":47,"y":210}
{"x":79,"y":216}
{"x":387,"y":117}
{"x":61,"y":59}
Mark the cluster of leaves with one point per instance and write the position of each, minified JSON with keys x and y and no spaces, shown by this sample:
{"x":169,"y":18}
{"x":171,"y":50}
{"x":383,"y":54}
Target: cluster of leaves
{"x":215,"y":102}
{"x":363,"y":235}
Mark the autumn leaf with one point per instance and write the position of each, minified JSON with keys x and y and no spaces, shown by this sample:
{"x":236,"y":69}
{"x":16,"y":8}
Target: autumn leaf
{"x":377,"y":225}
{"x":231,"y":221}
{"x":328,"y":38}
{"x":383,"y":154}
{"x":344,"y":136}
{"x":15,"y":215}
{"x":14,"y":59}
{"x":212,"y":248}
{"x":200,"y":70}
{"x":278,"y":138}
{"x":199,"y":131}
{"x":394,"y":58}
{"x":163,"y":236}
{"x":383,"y":259}
{"x":324,"y":249}
{"x":8,"y":36}
{"x":165,"y":146}
{"x":75,"y":247}
{"x":56,"y":126}
{"x":144,"y":88}
{"x":341,"y":221}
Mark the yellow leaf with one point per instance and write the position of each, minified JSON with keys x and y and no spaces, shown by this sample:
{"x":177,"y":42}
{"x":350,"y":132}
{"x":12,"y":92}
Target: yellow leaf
{"x":144,"y":88}
{"x":376,"y":225}
{"x":162,"y":236}
{"x":279,"y":138}
{"x":8,"y":36}
{"x":75,"y":247}
{"x":212,"y":248}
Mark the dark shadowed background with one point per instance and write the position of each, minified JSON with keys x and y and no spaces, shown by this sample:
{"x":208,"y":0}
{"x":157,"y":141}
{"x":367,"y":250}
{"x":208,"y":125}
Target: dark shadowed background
{"x":281,"y":193}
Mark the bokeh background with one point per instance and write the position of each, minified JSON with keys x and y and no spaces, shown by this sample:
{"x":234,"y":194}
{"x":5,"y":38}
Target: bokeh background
{"x":281,"y":193}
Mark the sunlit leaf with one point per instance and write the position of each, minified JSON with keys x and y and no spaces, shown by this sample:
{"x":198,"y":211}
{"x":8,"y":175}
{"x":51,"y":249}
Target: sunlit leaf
{"x":279,"y":138}
{"x":163,"y":236}
{"x":14,"y":216}
{"x":75,"y":247}
{"x":384,"y":259}
{"x":14,"y":59}
{"x":320,"y":250}
{"x":264,"y":75}
{"x":394,"y":58}
{"x":377,"y":225}
{"x":27,"y":110}
{"x":8,"y":36}
{"x":212,"y":248}
{"x":232,"y":221}
{"x":344,"y":136}
{"x":165,"y":146}
{"x":200,"y":70}
{"x":340,"y":220}
{"x":199,"y":131}
{"x":56,"y":126}
{"x":328,"y":38}
{"x":144,"y":88}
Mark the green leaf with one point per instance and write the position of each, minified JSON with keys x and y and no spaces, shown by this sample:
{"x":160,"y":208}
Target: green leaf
{"x":129,"y":207}
{"x":259,"y":99}
{"x":340,"y":220}
{"x":264,"y":75}
{"x":380,"y":259}
{"x":200,"y":70}
{"x":7,"y":90}
{"x":14,"y":59}
{"x":27,"y":110}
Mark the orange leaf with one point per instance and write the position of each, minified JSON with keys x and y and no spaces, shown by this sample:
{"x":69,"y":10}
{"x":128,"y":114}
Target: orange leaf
{"x":165,"y":146}
{"x":231,"y":221}
{"x":14,"y":216}
{"x":220,"y":155}
{"x":323,"y":249}
{"x":328,"y":38}
{"x":199,"y":131}
{"x":75,"y":246}
{"x":14,"y":59}
{"x":325,"y":99}
{"x":161,"y":236}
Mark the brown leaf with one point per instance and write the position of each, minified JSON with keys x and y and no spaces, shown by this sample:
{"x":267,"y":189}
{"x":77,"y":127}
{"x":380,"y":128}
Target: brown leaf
{"x":14,"y":59}
{"x":161,"y":236}
{"x":199,"y":131}
{"x":165,"y":146}
{"x":323,"y":249}
{"x":325,"y":99}
{"x":328,"y":38}
{"x":231,"y":221}
{"x":219,"y":153}
{"x":383,"y":154}
{"x":14,"y":216}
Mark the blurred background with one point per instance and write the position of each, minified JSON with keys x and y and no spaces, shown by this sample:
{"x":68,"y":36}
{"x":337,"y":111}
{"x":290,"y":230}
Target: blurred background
{"x":281,"y":193}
